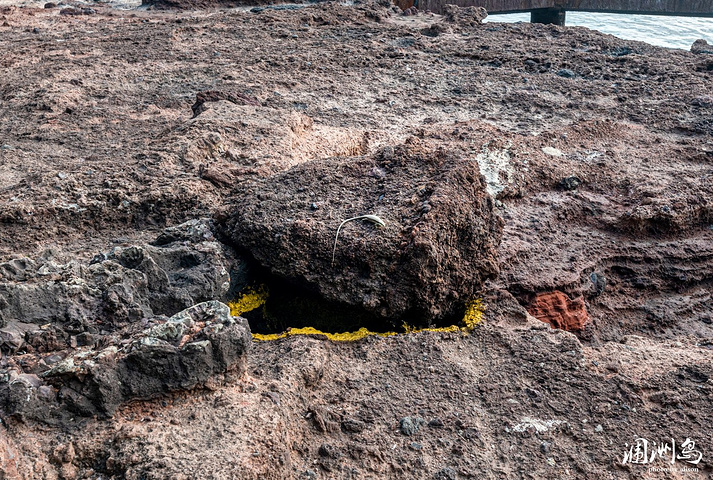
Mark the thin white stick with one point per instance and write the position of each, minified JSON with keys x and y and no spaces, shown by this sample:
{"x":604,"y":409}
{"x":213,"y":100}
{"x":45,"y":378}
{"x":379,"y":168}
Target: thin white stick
{"x":372,"y":218}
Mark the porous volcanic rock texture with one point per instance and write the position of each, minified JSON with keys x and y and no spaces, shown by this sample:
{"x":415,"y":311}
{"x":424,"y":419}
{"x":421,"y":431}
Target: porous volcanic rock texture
{"x":598,"y":154}
{"x":436,"y":248}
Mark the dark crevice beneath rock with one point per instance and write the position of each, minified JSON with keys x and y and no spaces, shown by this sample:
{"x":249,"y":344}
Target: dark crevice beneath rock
{"x":292,"y":305}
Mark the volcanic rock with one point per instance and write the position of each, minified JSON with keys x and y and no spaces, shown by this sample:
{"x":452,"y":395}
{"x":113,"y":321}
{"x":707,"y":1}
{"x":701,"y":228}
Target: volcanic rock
{"x":214,"y":96}
{"x":269,"y":140}
{"x":436,"y":248}
{"x":121,"y":286}
{"x":559,"y":311}
{"x":185,"y":352}
{"x":466,"y":16}
{"x":701,"y":46}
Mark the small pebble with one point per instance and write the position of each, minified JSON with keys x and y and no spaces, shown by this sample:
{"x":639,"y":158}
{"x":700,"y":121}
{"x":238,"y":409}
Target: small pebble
{"x":566,"y":73}
{"x":410,"y":425}
{"x":569,"y":183}
{"x":436,"y":423}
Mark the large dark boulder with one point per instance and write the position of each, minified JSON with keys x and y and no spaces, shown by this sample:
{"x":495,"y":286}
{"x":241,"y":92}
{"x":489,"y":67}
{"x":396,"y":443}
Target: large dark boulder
{"x":436,"y":248}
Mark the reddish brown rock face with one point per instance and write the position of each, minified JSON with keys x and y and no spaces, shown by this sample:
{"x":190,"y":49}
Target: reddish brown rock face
{"x":437,"y":246}
{"x":559,"y":311}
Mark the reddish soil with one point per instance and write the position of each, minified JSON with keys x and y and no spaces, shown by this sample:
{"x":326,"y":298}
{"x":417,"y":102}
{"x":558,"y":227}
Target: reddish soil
{"x":598,"y":153}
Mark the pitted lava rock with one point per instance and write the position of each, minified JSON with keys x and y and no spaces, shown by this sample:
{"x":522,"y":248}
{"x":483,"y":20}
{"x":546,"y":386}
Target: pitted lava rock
{"x":187,"y":351}
{"x":557,"y":309}
{"x":116,"y":288}
{"x":100,"y":151}
{"x":465,"y":16}
{"x":436,"y":249}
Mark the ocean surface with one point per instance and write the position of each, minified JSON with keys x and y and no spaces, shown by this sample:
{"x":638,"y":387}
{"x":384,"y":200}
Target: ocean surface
{"x":672,"y":32}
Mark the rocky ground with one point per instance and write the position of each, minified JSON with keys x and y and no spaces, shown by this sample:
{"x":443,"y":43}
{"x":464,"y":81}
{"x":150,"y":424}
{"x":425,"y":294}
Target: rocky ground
{"x":561,"y":176}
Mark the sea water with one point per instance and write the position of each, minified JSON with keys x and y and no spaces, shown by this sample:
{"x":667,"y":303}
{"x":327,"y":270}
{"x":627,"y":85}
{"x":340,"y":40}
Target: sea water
{"x":664,"y":31}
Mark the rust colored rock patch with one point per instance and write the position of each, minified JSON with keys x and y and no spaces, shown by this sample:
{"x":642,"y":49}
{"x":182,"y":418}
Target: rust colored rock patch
{"x":559,"y":311}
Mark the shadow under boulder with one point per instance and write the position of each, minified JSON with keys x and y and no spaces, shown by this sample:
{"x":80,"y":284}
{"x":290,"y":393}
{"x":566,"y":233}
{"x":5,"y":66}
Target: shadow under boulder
{"x":436,"y":247}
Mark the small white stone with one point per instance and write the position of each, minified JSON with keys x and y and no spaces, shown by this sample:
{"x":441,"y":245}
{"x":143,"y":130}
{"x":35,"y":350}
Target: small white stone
{"x":553,"y":151}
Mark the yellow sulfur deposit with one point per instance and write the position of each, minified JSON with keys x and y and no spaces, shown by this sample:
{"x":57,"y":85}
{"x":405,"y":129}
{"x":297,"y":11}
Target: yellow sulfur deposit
{"x":337,"y":337}
{"x":254,"y":298}
{"x":248,"y":301}
{"x":474,"y":311}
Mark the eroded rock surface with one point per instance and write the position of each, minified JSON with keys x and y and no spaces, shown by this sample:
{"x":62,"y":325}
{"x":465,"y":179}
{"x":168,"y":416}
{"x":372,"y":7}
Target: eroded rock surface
{"x":88,"y":336}
{"x":465,"y":16}
{"x":230,"y":139}
{"x":598,"y":153}
{"x":557,"y":309}
{"x":436,"y":247}
{"x":190,"y":349}
{"x":44,"y":302}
